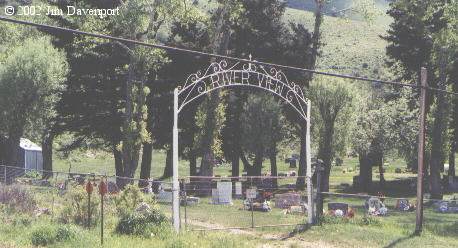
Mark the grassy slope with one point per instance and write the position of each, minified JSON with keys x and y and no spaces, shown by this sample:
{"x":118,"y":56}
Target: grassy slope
{"x":348,"y":44}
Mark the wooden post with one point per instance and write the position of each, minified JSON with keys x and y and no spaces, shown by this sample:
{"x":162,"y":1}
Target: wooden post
{"x":89,"y":210}
{"x":421,"y":152}
{"x":89,"y":189}
{"x":102,"y":191}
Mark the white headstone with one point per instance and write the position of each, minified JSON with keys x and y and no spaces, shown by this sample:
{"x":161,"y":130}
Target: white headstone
{"x":165,"y":196}
{"x":238,"y":188}
{"x":251,"y":193}
{"x":224,"y":192}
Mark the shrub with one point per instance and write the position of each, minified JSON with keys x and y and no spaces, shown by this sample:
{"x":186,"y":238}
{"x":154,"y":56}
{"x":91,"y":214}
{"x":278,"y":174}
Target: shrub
{"x":75,"y":210}
{"x":32,"y":174}
{"x":43,"y":236}
{"x":368,"y":220}
{"x":18,"y":198}
{"x":129,"y":199}
{"x":143,"y":224}
{"x":330,"y":219}
{"x":22,"y":220}
{"x":65,"y":233}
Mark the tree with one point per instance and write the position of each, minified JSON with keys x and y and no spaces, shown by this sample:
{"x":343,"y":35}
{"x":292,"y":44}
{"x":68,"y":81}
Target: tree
{"x":331,"y":99}
{"x":112,"y":79}
{"x":31,"y":81}
{"x":219,"y":45}
{"x":373,"y":134}
{"x":260,"y":32}
{"x":414,"y":42}
{"x":261,"y":132}
{"x":446,"y":43}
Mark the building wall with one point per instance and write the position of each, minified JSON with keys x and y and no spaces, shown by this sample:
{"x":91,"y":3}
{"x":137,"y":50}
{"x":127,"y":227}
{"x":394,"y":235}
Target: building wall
{"x":33,"y":160}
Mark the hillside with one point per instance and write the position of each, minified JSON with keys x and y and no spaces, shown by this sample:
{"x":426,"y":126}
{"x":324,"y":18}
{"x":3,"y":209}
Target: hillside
{"x":350,"y":46}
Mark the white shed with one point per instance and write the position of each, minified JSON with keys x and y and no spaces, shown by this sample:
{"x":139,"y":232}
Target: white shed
{"x":30,"y":156}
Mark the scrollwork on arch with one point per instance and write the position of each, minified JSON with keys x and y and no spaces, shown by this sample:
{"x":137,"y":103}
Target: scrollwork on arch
{"x":220,"y":75}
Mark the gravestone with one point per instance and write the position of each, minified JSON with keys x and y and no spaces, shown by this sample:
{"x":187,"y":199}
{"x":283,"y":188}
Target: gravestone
{"x":190,"y":201}
{"x":404,"y":205}
{"x":338,"y":206}
{"x":287,"y":200}
{"x":251,"y":193}
{"x":164,"y":196}
{"x":222,"y":194}
{"x":375,"y":207}
{"x":238,"y":189}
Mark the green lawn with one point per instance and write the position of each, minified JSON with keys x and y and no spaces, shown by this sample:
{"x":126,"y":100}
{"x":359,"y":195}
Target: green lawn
{"x":394,"y":230}
{"x":104,"y":163}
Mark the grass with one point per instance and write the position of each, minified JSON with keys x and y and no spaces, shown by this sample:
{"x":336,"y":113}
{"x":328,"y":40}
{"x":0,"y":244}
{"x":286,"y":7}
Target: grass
{"x":102,"y":163}
{"x":17,"y":229}
{"x":395,"y":230}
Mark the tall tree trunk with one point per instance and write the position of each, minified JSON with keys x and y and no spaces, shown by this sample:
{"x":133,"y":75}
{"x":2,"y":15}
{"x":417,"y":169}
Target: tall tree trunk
{"x":246,"y":164}
{"x":440,"y":125}
{"x":219,"y":46}
{"x":12,"y":156}
{"x":192,"y":163}
{"x":273,"y":168}
{"x":120,"y":182}
{"x":302,"y":169}
{"x":325,"y":153}
{"x":208,"y":158}
{"x":145,"y":169}
{"x":365,"y":172}
{"x":235,"y":164}
{"x":451,"y":162}
{"x":454,"y":125}
{"x":168,"y":170}
{"x":257,"y":164}
{"x":381,"y":175}
{"x":46,"y":146}
{"x":239,"y":99}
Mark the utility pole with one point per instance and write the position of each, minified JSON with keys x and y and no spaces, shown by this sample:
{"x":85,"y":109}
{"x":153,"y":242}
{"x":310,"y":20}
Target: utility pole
{"x":421,"y":152}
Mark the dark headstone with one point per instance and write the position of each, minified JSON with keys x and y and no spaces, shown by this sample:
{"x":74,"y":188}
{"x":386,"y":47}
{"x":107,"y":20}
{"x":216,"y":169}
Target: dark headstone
{"x":338,"y":205}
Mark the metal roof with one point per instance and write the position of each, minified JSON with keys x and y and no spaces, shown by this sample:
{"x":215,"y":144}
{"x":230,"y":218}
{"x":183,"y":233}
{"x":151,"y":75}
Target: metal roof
{"x":29,"y":145}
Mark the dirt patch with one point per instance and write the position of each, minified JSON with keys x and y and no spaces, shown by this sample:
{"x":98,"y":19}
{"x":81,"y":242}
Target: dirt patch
{"x":275,"y":240}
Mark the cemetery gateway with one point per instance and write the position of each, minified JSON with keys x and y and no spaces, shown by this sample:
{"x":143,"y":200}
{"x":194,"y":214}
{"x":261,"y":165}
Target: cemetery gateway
{"x":251,"y":74}
{"x":220,"y":75}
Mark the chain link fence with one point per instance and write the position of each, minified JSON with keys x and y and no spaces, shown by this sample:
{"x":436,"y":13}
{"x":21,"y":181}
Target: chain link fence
{"x":218,"y":203}
{"x":222,"y":203}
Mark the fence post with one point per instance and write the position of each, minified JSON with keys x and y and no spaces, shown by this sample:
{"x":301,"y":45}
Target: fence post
{"x":309,"y":167}
{"x":102,"y":190}
{"x":89,"y":190}
{"x":251,"y":203}
{"x":175,"y":184}
{"x":185,"y":196}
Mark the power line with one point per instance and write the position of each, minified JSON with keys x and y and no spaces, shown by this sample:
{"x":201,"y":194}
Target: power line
{"x":177,"y":49}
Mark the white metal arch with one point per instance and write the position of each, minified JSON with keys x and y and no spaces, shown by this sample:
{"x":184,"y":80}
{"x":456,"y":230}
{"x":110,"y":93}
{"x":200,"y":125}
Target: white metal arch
{"x":219,"y":75}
